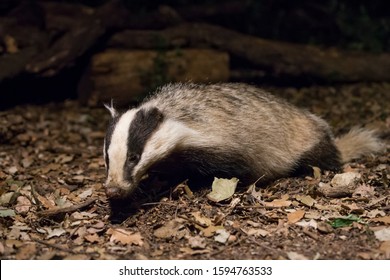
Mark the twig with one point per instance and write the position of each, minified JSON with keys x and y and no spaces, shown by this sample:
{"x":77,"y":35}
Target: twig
{"x":55,"y":246}
{"x":309,"y":233}
{"x":192,"y":221}
{"x":53,"y":212}
{"x":66,"y":250}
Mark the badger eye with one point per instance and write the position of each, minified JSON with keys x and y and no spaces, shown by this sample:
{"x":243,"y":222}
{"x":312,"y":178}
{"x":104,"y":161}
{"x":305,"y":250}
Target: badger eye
{"x":132,"y":157}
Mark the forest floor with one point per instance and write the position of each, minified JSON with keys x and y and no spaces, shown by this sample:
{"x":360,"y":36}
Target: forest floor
{"x":53,"y":204}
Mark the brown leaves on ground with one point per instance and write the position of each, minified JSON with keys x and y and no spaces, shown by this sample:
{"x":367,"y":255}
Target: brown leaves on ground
{"x":53,"y":206}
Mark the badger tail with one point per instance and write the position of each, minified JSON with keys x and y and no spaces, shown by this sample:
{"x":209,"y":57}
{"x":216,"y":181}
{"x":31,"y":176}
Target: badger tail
{"x":358,"y":142}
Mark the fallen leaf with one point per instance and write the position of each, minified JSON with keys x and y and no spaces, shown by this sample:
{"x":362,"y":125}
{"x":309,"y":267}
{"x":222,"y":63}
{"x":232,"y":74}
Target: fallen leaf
{"x":188,"y":191}
{"x":364,"y":255}
{"x":21,"y":226}
{"x":383,"y":234}
{"x":296,"y":216}
{"x":296,"y":256}
{"x":99,"y":225}
{"x":197,"y":242}
{"x":86,"y":193}
{"x":64,"y":158}
{"x":255,"y":194}
{"x":324,"y":227}
{"x":374,"y":213}
{"x":184,"y":188}
{"x":345,"y":179}
{"x":253,"y":224}
{"x":364,"y":190}
{"x":26,"y":252}
{"x":77,"y":257}
{"x":12,"y":243}
{"x":23,"y":204}
{"x":312,"y":214}
{"x":45,"y":202}
{"x":234,"y":203}
{"x":81,"y":231}
{"x":278,"y":203}
{"x":157,"y":253}
{"x":221,"y":236}
{"x":210,"y":231}
{"x":62,"y":202}
{"x":200,"y":219}
{"x":12,"y":170}
{"x":7,"y":213}
{"x":50,"y":167}
{"x":125,"y":237}
{"x":83,"y":215}
{"x":353,"y":208}
{"x":385,"y":248}
{"x":344,"y":221}
{"x":385,"y":220}
{"x":316,"y":172}
{"x":170,"y":229}
{"x":312,"y":223}
{"x":92,"y":238}
{"x":256,"y":232}
{"x":27,"y":162}
{"x":342,"y":185}
{"x":222,"y":189}
{"x":192,"y":252}
{"x":306,"y":200}
{"x":54,"y":232}
{"x":5,"y":198}
{"x":78,"y":179}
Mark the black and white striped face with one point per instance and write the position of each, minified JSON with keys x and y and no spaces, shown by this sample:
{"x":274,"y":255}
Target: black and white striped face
{"x":135,"y":140}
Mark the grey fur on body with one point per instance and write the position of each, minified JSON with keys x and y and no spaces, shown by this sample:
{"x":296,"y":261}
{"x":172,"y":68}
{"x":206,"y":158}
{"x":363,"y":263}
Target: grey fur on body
{"x":226,"y":130}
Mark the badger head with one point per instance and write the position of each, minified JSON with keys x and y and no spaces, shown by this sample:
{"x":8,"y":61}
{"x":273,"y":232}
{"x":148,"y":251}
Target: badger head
{"x":135,"y":141}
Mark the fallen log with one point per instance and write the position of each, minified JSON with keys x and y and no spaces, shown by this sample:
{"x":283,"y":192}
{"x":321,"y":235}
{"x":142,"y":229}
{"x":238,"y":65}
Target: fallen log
{"x":21,"y":43}
{"x":126,"y":75}
{"x":71,"y":30}
{"x":278,"y":58}
{"x":80,"y":38}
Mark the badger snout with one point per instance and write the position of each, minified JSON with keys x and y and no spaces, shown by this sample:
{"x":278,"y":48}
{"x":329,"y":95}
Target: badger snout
{"x":117,"y":191}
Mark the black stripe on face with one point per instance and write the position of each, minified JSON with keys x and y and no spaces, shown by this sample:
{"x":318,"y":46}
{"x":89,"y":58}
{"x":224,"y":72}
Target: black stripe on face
{"x":145,"y":122}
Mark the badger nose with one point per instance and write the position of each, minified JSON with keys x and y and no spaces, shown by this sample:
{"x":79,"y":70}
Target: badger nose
{"x":114,"y":192}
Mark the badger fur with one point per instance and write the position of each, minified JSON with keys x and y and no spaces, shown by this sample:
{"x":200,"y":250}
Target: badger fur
{"x":222,"y":130}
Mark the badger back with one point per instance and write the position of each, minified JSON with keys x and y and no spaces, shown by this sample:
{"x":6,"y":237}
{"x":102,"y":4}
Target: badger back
{"x":266,"y":132}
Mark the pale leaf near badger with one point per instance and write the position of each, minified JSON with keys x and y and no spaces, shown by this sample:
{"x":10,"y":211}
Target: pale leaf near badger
{"x":222,"y":189}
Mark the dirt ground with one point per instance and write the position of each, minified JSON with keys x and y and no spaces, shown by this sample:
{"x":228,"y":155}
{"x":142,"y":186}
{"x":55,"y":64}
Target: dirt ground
{"x":53,"y":205}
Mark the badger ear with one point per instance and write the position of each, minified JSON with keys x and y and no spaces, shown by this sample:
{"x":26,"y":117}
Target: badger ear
{"x":111,"y":109}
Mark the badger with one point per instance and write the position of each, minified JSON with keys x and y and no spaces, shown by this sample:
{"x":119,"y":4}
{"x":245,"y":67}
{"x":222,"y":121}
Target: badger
{"x":226,"y":130}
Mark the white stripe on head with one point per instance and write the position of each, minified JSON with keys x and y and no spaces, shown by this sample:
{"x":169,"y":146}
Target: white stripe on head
{"x":117,"y":151}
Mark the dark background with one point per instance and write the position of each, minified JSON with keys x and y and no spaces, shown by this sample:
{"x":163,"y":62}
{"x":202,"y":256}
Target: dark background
{"x":355,"y":25}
